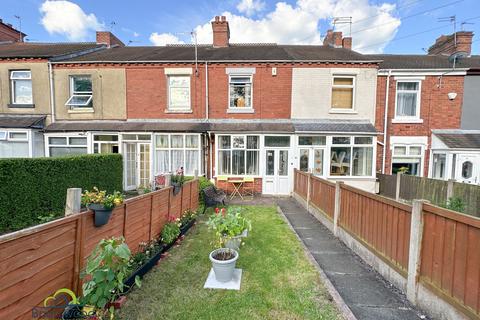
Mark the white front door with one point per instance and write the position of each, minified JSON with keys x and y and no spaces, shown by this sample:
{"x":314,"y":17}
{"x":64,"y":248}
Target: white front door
{"x":137,"y":164}
{"x":277,"y":178}
{"x":468,"y":168}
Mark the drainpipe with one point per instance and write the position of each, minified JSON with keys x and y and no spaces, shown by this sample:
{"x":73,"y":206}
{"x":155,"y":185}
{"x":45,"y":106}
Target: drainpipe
{"x":206,"y":90}
{"x":210,"y":153}
{"x":52,"y":95}
{"x":385,"y":121}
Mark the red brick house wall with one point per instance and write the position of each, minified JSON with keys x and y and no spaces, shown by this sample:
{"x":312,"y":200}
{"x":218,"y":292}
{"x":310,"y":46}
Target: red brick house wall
{"x":436,"y":111}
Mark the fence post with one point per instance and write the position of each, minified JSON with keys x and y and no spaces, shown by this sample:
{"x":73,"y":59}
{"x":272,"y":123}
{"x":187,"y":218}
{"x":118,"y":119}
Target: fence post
{"x":414,"y":257}
{"x":450,"y":188}
{"x":309,"y":186}
{"x":336,"y":211}
{"x":397,"y":187}
{"x":73,"y":202}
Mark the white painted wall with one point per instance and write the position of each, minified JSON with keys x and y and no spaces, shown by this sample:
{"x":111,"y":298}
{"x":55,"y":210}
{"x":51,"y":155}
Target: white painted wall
{"x":312,"y":93}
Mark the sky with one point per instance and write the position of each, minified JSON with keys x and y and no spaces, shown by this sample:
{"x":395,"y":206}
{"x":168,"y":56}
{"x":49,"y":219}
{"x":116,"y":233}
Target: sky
{"x":378,"y":26}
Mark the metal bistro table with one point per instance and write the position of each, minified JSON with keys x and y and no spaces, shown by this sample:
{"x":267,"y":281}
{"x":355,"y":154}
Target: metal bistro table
{"x":237,"y":184}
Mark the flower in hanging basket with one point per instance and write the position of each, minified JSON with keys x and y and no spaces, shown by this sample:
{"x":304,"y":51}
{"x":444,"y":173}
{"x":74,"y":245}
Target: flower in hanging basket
{"x":101,"y":203}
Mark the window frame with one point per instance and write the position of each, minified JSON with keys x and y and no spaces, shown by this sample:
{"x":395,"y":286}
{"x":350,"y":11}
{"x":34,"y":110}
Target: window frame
{"x":67,"y":144}
{"x":407,"y":154}
{"x":84,"y":106}
{"x":235,"y":75}
{"x":99,"y":142}
{"x":415,"y":118}
{"x":352,"y":145}
{"x":184,"y":148}
{"x":245,"y":149}
{"x":352,"y":86}
{"x":182,"y":108}
{"x":12,"y":86}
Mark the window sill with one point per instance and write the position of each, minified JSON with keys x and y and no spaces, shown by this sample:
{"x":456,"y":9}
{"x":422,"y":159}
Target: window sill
{"x":84,"y":110}
{"x":407,"y":120}
{"x":179,"y":111}
{"x":343,"y":111}
{"x":240,"y":110}
{"x":21,"y":106}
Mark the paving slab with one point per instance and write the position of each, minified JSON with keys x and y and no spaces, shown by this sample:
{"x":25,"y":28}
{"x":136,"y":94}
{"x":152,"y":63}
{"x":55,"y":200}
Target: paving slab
{"x":366,"y":292}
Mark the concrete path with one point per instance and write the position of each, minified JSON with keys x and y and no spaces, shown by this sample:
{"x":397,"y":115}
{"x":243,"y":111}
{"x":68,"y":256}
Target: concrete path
{"x":364,"y":291}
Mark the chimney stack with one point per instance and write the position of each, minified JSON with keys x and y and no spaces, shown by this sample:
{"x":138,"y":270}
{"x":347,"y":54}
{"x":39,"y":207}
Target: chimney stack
{"x":221,"y":32}
{"x":445,"y":45}
{"x":108,"y":38}
{"x":9,"y":34}
{"x":335,"y":39}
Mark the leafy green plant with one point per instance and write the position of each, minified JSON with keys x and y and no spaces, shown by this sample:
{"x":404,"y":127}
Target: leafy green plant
{"x":455,"y":204}
{"x":47,"y":217}
{"x":170,"y":231}
{"x":187,"y":216}
{"x":228,"y":224}
{"x":109,"y":201}
{"x":33,"y":187}
{"x":107,"y":268}
{"x":203,"y":183}
{"x":146,"y":250}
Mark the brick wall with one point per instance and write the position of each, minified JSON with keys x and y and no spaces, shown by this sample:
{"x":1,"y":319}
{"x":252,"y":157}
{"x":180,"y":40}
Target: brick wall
{"x":436,"y":111}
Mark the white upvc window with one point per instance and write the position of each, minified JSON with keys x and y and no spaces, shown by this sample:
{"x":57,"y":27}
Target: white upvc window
{"x":238,"y":155}
{"x":105,"y":143}
{"x":407,"y":159}
{"x":311,"y":154}
{"x":21,"y":86}
{"x":81,"y":93}
{"x":439,"y":165}
{"x":343,"y":92}
{"x":352,"y":156}
{"x":60,"y":145}
{"x":14,"y":144}
{"x":179,"y":93}
{"x":176,"y":150}
{"x":240,"y":92}
{"x":407,"y":101}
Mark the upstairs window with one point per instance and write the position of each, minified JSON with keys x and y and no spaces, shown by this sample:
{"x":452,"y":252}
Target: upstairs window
{"x":408,"y":100}
{"x":178,"y":93}
{"x":343,"y":88}
{"x":80,"y":92}
{"x":240,"y":92}
{"x":21,"y":84}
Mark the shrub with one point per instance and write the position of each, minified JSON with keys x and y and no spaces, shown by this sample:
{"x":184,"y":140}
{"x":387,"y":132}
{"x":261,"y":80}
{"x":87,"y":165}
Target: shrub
{"x":36,"y":187}
{"x":170,"y":232}
{"x":455,"y":204}
{"x":203,"y":183}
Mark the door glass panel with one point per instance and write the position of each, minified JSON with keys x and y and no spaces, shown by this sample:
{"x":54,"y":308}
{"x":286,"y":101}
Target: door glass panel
{"x":144,"y":164}
{"x":270,"y":163}
{"x":467,"y":169}
{"x":304,"y":160}
{"x":283,"y":163}
{"x":318,"y":162}
{"x":130,"y":164}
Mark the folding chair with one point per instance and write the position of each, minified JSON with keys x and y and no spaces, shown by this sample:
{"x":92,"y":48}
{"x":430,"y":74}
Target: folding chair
{"x":249,"y":187}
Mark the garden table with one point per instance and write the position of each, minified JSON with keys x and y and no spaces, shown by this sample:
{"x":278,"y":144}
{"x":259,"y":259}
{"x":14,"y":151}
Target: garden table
{"x":237,"y":184}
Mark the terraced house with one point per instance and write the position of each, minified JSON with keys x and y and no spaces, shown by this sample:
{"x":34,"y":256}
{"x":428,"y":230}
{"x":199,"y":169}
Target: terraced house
{"x":249,"y":111}
{"x":241,"y":112}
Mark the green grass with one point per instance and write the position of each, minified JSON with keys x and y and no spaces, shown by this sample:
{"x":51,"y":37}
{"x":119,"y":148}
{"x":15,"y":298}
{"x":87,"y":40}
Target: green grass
{"x":278,"y":280}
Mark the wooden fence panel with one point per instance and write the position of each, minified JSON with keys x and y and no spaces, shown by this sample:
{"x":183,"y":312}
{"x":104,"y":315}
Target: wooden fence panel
{"x":322,"y":195}
{"x":37,"y":261}
{"x":388,"y":184}
{"x":186,"y":197}
{"x":381,"y":224}
{"x":450,"y":257}
{"x":301,"y":183}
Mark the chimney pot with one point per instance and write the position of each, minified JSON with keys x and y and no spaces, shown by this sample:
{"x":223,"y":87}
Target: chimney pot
{"x":217,"y":18}
{"x":347,"y":43}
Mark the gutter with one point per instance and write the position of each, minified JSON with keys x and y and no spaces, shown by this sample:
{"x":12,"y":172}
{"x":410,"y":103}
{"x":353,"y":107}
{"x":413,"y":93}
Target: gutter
{"x":385,"y":121}
{"x":52,"y":91}
{"x":223,"y":61}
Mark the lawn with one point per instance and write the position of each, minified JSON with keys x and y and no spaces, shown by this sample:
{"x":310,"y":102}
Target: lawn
{"x":278,"y":280}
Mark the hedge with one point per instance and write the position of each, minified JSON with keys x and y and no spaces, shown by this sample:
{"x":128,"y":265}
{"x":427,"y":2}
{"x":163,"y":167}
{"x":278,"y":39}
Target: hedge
{"x":32,"y":188}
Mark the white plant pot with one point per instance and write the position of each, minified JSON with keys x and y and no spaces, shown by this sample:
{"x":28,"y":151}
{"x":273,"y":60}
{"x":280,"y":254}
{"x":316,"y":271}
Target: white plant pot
{"x":223,"y":269}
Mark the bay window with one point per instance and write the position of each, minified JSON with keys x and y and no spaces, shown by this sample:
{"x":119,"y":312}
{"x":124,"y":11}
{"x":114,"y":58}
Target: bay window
{"x":351,"y":156}
{"x":238,"y":155}
{"x":240,"y":92}
{"x":408,"y":100}
{"x":21,"y":86}
{"x":174,"y":151}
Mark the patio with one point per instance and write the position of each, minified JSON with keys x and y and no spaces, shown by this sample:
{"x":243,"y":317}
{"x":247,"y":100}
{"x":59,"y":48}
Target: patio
{"x":278,"y":280}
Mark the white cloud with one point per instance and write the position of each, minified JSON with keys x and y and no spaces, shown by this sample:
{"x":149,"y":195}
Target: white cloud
{"x":161,"y":39}
{"x":250,"y":7}
{"x":298,"y":24}
{"x":68,"y":19}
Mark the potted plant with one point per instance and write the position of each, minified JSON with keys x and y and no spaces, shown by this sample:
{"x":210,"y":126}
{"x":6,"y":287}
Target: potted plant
{"x":176,"y":181}
{"x":107,"y":268}
{"x":142,"y":189}
{"x":101,"y":203}
{"x":223,"y":263}
{"x":230,"y":227}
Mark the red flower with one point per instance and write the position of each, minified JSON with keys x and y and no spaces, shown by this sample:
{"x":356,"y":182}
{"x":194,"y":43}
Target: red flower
{"x":217,"y":210}
{"x":224,"y":212}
